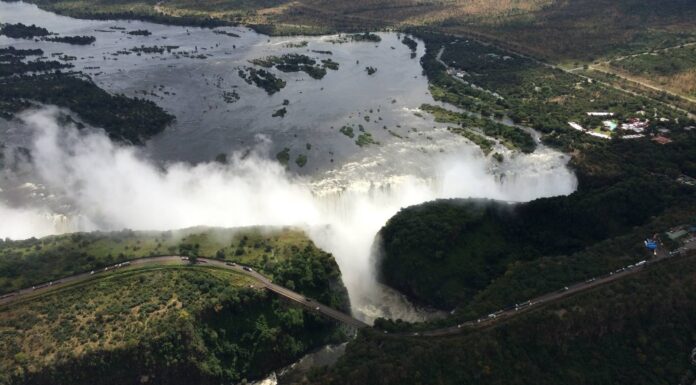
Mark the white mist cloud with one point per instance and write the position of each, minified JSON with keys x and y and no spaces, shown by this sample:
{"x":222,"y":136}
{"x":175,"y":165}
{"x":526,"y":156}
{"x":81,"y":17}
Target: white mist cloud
{"x":20,"y":223}
{"x":114,"y":187}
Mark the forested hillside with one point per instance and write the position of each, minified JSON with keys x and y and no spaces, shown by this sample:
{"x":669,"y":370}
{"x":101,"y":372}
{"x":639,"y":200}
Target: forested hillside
{"x":634,"y":331}
{"x":162,"y":324}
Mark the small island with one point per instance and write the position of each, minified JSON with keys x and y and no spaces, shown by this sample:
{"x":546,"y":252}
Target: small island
{"x":74,"y":40}
{"x":22,"y":31}
{"x":296,"y":63}
{"x":262,"y":79}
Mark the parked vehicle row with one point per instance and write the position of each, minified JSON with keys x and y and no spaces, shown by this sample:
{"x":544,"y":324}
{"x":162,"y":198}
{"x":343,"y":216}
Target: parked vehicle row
{"x":529,"y":303}
{"x":116,"y":266}
{"x":51,"y":283}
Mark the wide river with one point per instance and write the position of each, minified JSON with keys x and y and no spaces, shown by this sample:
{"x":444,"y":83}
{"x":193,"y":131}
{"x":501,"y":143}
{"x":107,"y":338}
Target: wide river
{"x":191,"y":81}
{"x":342,"y":196}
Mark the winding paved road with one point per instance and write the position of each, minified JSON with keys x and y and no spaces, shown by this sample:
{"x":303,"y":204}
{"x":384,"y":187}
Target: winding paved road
{"x":511,"y":311}
{"x":308,"y":303}
{"x":313,"y":305}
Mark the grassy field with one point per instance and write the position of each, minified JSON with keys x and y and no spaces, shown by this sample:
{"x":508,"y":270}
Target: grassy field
{"x":583,"y":30}
{"x":672,"y":69}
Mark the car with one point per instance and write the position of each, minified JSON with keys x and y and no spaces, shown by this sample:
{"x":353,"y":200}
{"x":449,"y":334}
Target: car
{"x":416,"y":334}
{"x":91,"y":272}
{"x":184,"y":258}
{"x":459,"y":326}
{"x":316,"y":308}
{"x":308,"y":299}
{"x":565,"y":288}
{"x":245,"y":268}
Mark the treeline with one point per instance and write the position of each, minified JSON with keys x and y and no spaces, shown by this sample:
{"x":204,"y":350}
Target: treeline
{"x":75,"y":40}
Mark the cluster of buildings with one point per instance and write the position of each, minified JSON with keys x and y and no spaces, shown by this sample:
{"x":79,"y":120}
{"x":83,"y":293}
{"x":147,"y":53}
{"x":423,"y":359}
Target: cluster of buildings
{"x":635,"y":125}
{"x":610,"y":126}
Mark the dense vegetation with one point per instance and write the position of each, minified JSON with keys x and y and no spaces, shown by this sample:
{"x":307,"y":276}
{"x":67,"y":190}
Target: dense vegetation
{"x":75,"y":40}
{"x":368,"y":37}
{"x":283,"y":156}
{"x":140,"y":32}
{"x":637,"y":330}
{"x":485,"y":144}
{"x":508,"y":135}
{"x":458,"y":247}
{"x":295,"y":63}
{"x":496,"y":85}
{"x":262,"y":79}
{"x":168,"y":325}
{"x":411,"y":44}
{"x":123,"y":118}
{"x":21,"y":31}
